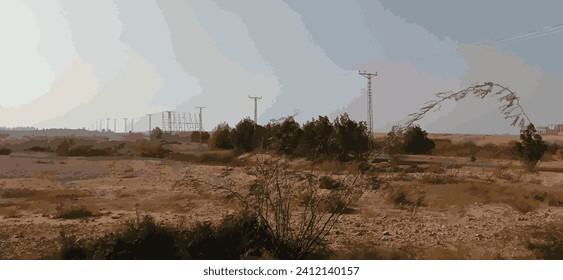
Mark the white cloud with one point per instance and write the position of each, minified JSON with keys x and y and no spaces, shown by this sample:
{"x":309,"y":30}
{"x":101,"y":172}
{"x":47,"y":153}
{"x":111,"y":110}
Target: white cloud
{"x":25,"y":73}
{"x":59,"y":99}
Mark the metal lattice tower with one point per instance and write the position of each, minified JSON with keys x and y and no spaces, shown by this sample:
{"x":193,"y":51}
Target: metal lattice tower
{"x":256,"y":98}
{"x":370,"y":104}
{"x":200,"y":123}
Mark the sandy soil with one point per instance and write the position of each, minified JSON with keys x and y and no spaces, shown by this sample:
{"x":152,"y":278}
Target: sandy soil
{"x":483,"y":213}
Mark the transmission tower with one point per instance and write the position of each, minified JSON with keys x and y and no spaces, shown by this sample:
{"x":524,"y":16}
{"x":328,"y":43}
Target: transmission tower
{"x":256,"y":98}
{"x":125,"y":130}
{"x":200,"y":123}
{"x":107,"y":124}
{"x":132,"y":119}
{"x":169,"y":121}
{"x":370,"y":105}
{"x":114,"y":125}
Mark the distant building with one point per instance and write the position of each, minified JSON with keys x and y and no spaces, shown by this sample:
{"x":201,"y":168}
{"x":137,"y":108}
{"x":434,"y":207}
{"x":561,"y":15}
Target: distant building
{"x":552,"y":129}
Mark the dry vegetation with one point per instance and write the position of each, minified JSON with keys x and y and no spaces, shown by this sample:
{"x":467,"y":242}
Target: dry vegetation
{"x":439,"y":206}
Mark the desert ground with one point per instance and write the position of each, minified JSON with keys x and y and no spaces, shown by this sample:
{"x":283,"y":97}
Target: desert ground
{"x":427,"y":207}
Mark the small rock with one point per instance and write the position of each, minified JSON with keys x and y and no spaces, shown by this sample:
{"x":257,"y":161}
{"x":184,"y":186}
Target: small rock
{"x":386,"y":233}
{"x":433,"y":233}
{"x":385,"y":238}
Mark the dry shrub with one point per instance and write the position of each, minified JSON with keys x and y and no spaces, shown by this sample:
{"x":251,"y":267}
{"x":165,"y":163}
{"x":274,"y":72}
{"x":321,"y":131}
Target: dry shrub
{"x":547,"y":242}
{"x":18,"y":193}
{"x":439,"y":179}
{"x":146,"y":149}
{"x":75,"y":213}
{"x":224,"y":158}
{"x":520,"y":198}
{"x":297,"y":213}
{"x":407,"y":198}
{"x":507,"y":173}
{"x":375,"y":182}
{"x":328,"y":183}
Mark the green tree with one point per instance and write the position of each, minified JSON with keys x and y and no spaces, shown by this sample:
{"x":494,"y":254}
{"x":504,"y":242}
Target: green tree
{"x":288,"y":136}
{"x":416,"y":141}
{"x":156,"y":134}
{"x":349,"y":137}
{"x":220,"y":137}
{"x":531,"y":147}
{"x":316,"y":135}
{"x":242,"y":135}
{"x":195,"y":136}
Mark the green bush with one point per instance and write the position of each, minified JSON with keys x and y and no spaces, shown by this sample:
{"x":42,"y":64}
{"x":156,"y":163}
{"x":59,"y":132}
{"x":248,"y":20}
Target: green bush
{"x":194,"y":136}
{"x":531,"y":147}
{"x":75,"y":214}
{"x":316,"y":136}
{"x":236,"y":237}
{"x":416,"y":141}
{"x":349,"y":138}
{"x":220,"y":137}
{"x":89,"y":151}
{"x":64,"y":148}
{"x":152,"y":150}
{"x":242,"y":135}
{"x":5,"y":151}
{"x":288,"y":136}
{"x":39,"y":149}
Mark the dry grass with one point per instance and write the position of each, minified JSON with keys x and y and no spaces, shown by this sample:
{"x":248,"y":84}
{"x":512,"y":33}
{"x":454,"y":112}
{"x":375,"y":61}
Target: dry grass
{"x":522,"y":198}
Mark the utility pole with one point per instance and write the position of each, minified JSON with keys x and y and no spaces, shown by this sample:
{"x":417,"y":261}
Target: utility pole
{"x":114,"y":125}
{"x":107,"y":124}
{"x":370,"y":105}
{"x":101,"y":124}
{"x":256,"y":98}
{"x":125,"y":119}
{"x":132,"y":124}
{"x":96,"y":125}
{"x":200,"y":123}
{"x":150,"y":128}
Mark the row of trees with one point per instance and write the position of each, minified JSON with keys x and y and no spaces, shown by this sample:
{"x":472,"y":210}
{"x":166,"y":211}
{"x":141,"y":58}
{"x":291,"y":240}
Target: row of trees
{"x":344,"y":138}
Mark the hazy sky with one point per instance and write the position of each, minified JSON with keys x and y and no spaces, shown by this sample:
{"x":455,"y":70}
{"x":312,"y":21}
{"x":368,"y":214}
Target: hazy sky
{"x":67,"y":63}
